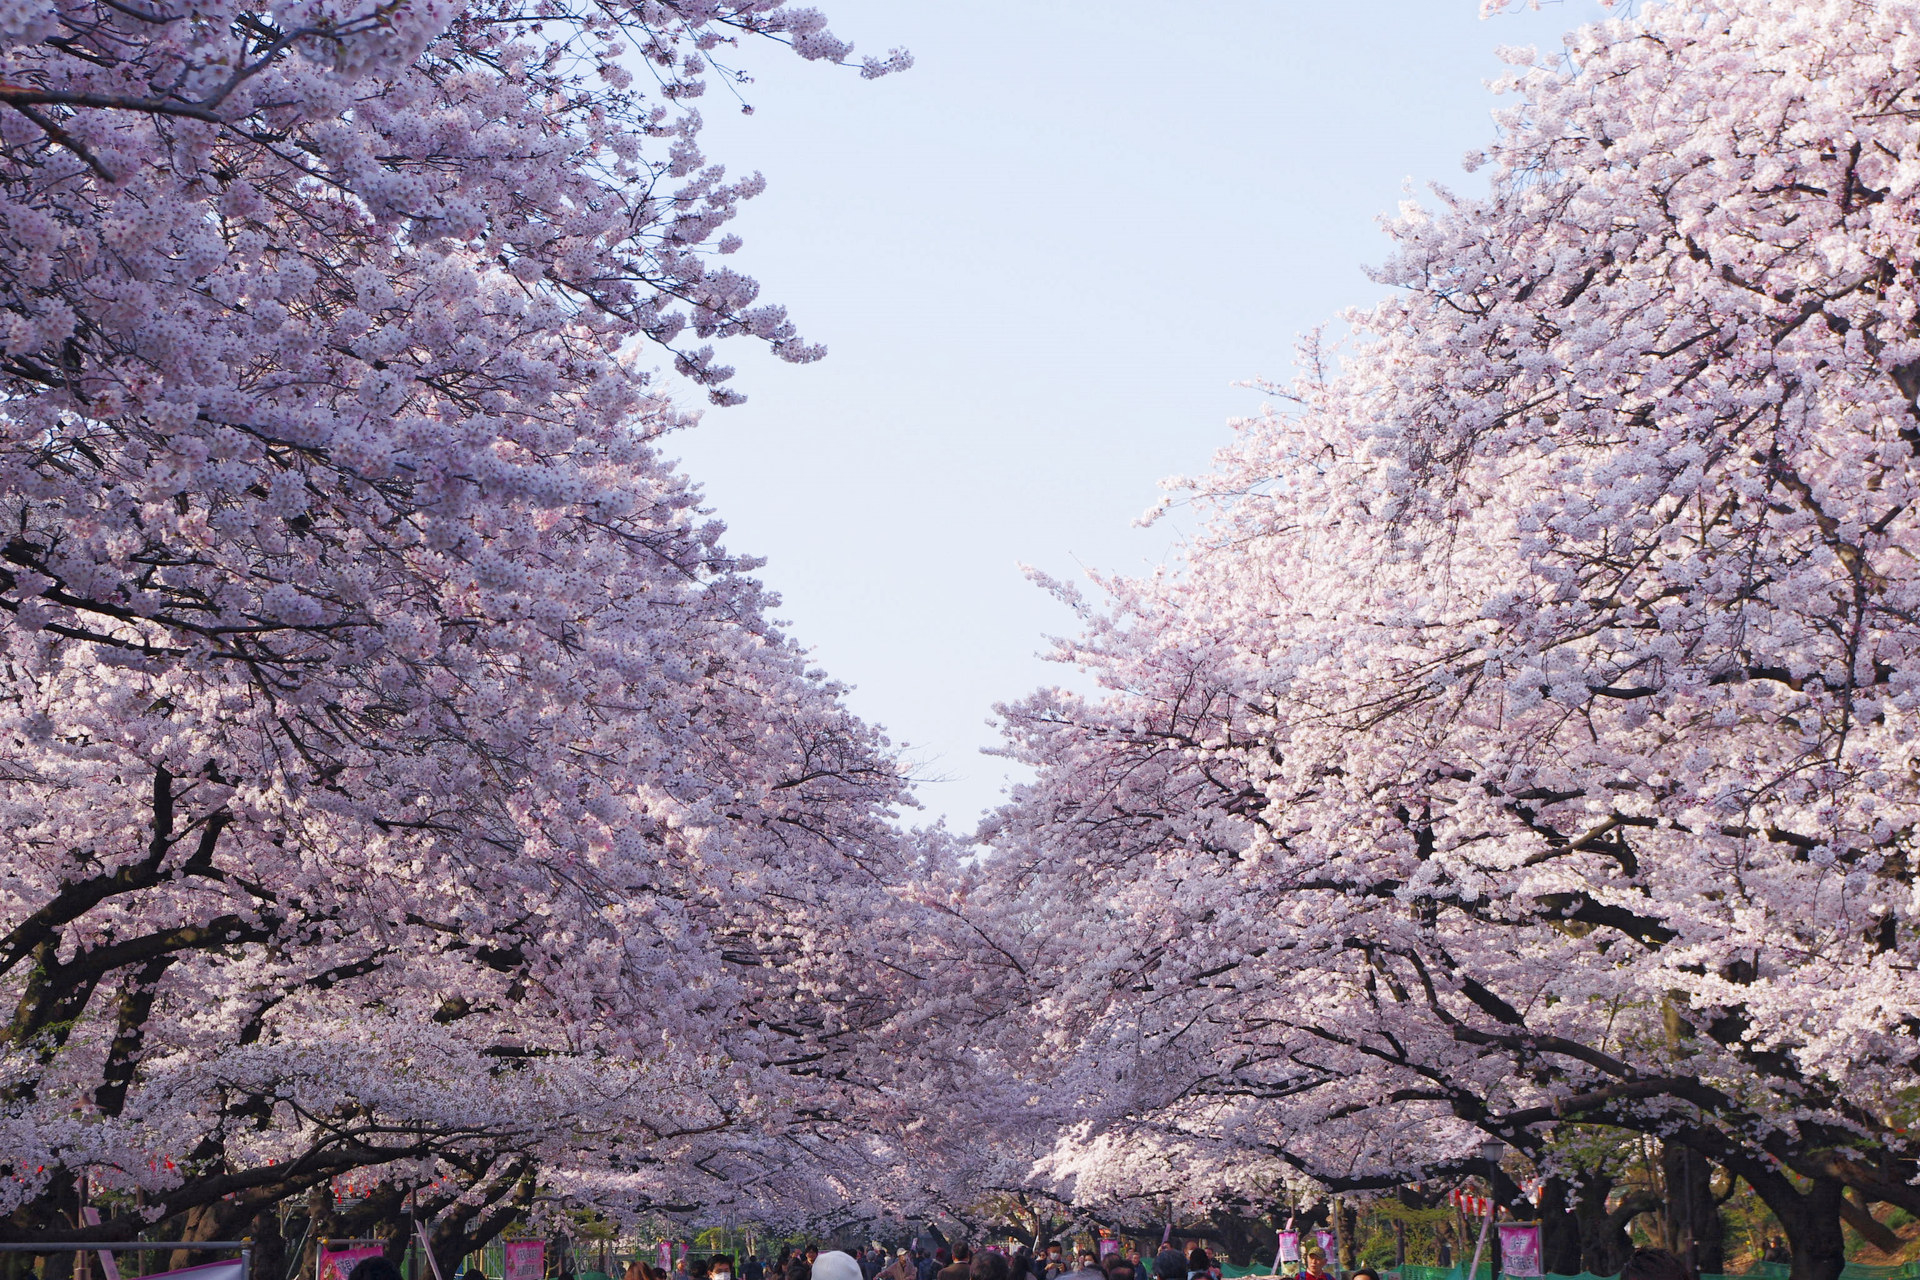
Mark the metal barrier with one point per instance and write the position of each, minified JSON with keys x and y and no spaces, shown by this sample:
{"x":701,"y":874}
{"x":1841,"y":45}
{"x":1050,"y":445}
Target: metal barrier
{"x":134,"y":1246}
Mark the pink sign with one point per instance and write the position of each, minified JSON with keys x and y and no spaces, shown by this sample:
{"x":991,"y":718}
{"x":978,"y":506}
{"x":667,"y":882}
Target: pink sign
{"x":1289,"y":1246}
{"x":1326,"y":1241}
{"x":666,"y":1256}
{"x":1109,"y":1246}
{"x":526,"y":1259}
{"x":338,"y":1265}
{"x":1520,"y":1248}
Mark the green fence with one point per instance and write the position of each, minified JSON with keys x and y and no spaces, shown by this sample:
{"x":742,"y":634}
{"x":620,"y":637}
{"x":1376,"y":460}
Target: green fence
{"x":1762,"y":1271}
{"x":1852,"y":1271}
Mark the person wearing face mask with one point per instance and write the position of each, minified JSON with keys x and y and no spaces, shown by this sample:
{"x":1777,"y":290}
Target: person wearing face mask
{"x":720,"y":1267}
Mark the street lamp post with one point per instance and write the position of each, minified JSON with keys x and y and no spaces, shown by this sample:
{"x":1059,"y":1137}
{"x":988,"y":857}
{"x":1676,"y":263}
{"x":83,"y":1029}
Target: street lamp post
{"x":1489,"y":1151}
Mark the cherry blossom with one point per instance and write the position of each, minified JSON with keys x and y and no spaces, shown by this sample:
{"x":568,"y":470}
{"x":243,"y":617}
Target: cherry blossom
{"x":405,"y":784}
{"x":1524,"y":742}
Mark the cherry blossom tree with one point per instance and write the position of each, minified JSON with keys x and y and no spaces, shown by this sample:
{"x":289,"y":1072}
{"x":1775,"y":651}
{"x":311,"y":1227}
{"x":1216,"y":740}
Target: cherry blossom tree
{"x":1524,"y":742}
{"x":404,"y":782}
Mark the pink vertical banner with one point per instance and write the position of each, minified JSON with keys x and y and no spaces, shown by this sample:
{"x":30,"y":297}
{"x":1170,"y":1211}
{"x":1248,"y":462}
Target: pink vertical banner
{"x":1109,"y":1246}
{"x":1520,"y":1248}
{"x":1289,"y":1246}
{"x":526,"y":1259}
{"x":1326,"y":1241}
{"x":666,"y":1256}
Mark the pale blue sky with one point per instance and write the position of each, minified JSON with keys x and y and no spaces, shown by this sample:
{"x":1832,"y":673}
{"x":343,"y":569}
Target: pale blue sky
{"x":1041,"y":258}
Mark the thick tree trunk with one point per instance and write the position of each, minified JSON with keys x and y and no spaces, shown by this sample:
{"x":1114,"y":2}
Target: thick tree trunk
{"x":1604,"y":1242}
{"x":1811,"y":1218}
{"x":1818,"y":1238}
{"x":1559,"y":1230}
{"x":269,"y":1245}
{"x":1699,"y":1234}
{"x":465,"y":1227}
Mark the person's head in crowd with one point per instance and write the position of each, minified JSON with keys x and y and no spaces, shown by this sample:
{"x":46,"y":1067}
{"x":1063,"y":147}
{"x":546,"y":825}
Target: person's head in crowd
{"x":1652,"y":1264}
{"x":988,"y":1264}
{"x":834,"y":1265}
{"x":373,"y":1269}
{"x":1368,"y":1272}
{"x":1119,"y":1268}
{"x":962,"y":1253}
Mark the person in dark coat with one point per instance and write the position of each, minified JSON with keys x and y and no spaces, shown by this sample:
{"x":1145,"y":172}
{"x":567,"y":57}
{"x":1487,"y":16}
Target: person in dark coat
{"x":962,"y":1263}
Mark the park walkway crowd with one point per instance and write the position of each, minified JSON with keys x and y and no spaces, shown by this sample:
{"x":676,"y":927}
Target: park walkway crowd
{"x":958,"y":1261}
{"x":1055,"y":1262}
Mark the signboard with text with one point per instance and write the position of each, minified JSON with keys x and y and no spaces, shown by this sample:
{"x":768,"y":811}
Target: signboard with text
{"x":338,"y":1264}
{"x":526,"y":1259}
{"x":1520,"y":1248}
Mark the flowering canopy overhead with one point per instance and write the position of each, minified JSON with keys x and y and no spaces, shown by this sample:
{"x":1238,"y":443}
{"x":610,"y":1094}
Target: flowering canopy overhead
{"x":1526,"y":739}
{"x":369,"y":681}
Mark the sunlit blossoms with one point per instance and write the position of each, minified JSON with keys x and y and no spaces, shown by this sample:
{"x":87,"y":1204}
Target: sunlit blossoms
{"x":1526,"y":739}
{"x":405,"y":785}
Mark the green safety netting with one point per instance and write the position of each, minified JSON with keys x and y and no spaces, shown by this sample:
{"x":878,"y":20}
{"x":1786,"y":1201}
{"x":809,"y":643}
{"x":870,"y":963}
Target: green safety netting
{"x":1761,"y":1271}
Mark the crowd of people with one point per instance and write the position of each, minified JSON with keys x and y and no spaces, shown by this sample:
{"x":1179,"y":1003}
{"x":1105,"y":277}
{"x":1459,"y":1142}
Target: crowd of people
{"x":1054,"y":1262}
{"x":957,"y":1261}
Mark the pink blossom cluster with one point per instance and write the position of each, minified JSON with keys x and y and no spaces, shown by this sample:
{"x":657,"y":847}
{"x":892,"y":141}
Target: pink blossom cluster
{"x":402,"y":781}
{"x":1526,"y":740}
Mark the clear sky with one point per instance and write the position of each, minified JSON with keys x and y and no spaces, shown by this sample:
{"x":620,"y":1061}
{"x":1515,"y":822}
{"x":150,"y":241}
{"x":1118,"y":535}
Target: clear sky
{"x":1040,"y":260}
